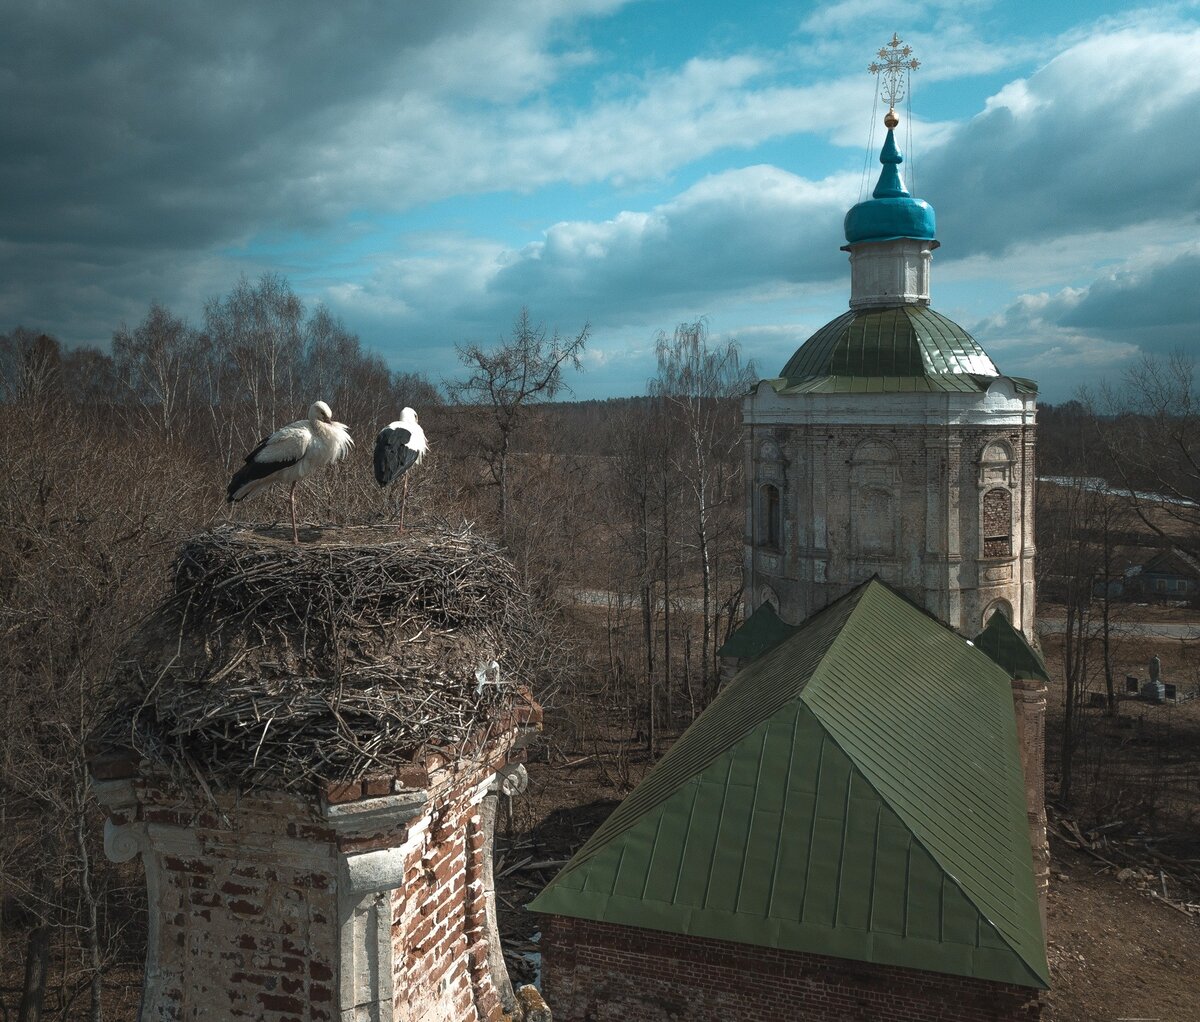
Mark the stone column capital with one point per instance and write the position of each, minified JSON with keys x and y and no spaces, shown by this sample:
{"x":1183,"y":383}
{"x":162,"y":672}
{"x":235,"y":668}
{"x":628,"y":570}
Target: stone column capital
{"x":509,"y":780}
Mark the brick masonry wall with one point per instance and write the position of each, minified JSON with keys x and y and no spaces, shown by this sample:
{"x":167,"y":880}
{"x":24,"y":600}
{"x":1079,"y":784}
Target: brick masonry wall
{"x":1029,"y":702}
{"x":926,"y":537}
{"x":600,"y":972}
{"x":997,"y":523}
{"x":439,"y":926}
{"x":245,"y":940}
{"x":368,"y":903}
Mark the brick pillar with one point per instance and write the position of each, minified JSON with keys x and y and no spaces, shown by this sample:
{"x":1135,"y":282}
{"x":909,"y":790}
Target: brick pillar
{"x":364,"y":904}
{"x":1029,"y":703}
{"x":511,"y":781}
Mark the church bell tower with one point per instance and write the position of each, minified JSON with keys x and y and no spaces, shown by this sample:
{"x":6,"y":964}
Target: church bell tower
{"x":890,"y":443}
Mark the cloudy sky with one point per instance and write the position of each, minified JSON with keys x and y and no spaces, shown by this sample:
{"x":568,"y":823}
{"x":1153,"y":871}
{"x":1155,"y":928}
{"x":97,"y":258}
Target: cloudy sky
{"x":425,"y":170}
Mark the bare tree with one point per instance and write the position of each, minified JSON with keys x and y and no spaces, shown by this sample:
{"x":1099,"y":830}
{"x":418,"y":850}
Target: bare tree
{"x":699,"y":384}
{"x":30,"y":367}
{"x":1149,"y":426}
{"x":153,"y":362}
{"x":1067,"y":568}
{"x":256,"y":333}
{"x":519,"y":372}
{"x":638,"y":446}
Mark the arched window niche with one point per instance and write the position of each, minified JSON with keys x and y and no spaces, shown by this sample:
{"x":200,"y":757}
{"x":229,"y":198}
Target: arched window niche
{"x":875,"y":485}
{"x":876,"y":526}
{"x":996,"y":523}
{"x":770,"y":510}
{"x":769,"y":473}
{"x":1001,"y":607}
{"x":996,"y":464}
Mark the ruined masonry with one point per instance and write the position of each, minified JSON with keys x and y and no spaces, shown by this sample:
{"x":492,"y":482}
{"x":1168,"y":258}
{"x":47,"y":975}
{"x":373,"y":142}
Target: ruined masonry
{"x":317,"y":838}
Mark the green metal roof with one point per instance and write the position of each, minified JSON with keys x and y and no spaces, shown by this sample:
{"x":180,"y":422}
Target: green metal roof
{"x":856,"y":791}
{"x":760,"y":632}
{"x":952,"y":383}
{"x":911,"y":347}
{"x":1011,"y":650}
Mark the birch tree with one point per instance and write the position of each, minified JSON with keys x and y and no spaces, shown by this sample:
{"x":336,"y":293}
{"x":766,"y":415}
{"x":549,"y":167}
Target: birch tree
{"x":699,"y":384}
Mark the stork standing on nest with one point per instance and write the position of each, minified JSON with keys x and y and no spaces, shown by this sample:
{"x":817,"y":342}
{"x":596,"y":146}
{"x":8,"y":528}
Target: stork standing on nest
{"x":399,"y":446}
{"x":291,"y":453}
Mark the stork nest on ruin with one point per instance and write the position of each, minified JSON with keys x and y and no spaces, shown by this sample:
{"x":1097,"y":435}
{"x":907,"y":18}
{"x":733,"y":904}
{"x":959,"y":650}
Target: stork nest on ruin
{"x":288,"y":667}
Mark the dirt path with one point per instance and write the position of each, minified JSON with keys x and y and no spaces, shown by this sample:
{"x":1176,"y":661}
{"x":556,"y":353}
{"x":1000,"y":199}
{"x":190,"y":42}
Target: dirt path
{"x":1116,"y":954}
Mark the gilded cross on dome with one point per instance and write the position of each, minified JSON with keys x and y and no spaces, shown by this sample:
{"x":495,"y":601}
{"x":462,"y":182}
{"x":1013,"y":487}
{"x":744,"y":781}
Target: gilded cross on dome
{"x":897,"y":61}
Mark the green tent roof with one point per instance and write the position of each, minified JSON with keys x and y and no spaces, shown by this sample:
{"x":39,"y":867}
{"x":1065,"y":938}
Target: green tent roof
{"x":899,"y":349}
{"x":761,"y":632}
{"x":1011,"y":650}
{"x":856,"y":791}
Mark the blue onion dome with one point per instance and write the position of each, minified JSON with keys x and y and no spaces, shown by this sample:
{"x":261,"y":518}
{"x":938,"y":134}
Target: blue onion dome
{"x":892,"y":212}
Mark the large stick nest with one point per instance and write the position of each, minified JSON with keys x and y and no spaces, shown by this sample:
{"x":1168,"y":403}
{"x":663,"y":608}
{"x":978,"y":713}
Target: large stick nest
{"x":280,"y":666}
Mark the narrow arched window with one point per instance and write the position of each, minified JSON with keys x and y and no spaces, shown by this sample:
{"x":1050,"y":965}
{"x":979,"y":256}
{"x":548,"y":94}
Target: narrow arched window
{"x":1001,"y":607}
{"x":997,"y":523}
{"x":771,"y":530}
{"x":876,"y":522}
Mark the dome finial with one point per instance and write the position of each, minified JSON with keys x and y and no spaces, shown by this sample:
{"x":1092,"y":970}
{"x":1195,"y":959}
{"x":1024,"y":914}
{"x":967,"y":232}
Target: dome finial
{"x":891,"y":212}
{"x":898,"y":61}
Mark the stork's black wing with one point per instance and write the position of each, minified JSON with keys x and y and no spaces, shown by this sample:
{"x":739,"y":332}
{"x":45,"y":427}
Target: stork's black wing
{"x":274,"y":452}
{"x":393,"y":456}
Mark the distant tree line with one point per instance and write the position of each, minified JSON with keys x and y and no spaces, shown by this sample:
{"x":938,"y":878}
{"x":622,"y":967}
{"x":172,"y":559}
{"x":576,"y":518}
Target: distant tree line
{"x":1125,"y":459}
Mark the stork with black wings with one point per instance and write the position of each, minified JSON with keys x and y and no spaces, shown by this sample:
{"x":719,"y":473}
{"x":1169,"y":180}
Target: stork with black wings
{"x":399,"y":446}
{"x":291,"y":453}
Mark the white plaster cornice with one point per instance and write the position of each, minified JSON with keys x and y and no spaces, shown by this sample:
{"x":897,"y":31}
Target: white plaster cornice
{"x":115,"y":796}
{"x":372,"y":815}
{"x":379,"y":870}
{"x":999,"y":406}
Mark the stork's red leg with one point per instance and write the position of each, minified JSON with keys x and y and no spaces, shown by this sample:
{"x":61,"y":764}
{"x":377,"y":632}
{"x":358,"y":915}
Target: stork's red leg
{"x":403,"y":501}
{"x":295,"y":531}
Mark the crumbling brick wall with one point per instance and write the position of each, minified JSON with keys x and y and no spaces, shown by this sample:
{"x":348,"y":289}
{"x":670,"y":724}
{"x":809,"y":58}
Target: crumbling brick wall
{"x":240,"y":936}
{"x":1029,"y":702}
{"x":369,"y":903}
{"x":439,"y":925}
{"x":601,"y":972}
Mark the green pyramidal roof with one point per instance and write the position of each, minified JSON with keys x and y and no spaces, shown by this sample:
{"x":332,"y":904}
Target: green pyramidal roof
{"x":855,"y":792}
{"x":1011,"y":650}
{"x":760,"y":632}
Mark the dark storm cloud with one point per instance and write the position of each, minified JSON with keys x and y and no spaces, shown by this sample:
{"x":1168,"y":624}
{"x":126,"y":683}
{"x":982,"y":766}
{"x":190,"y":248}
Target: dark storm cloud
{"x":181,"y":124}
{"x":1157,"y":308}
{"x":139,"y":140}
{"x":1080,"y":336}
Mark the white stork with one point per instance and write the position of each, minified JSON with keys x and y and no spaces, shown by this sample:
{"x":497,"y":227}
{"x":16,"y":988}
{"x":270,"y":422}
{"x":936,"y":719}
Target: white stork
{"x":291,"y":453}
{"x":399,"y":446}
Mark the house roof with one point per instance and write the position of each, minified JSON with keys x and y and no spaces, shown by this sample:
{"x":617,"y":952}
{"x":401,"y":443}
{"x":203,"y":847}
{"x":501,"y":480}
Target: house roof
{"x":1011,"y":650}
{"x":856,"y":792}
{"x":761,"y":632}
{"x":1173,"y":562}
